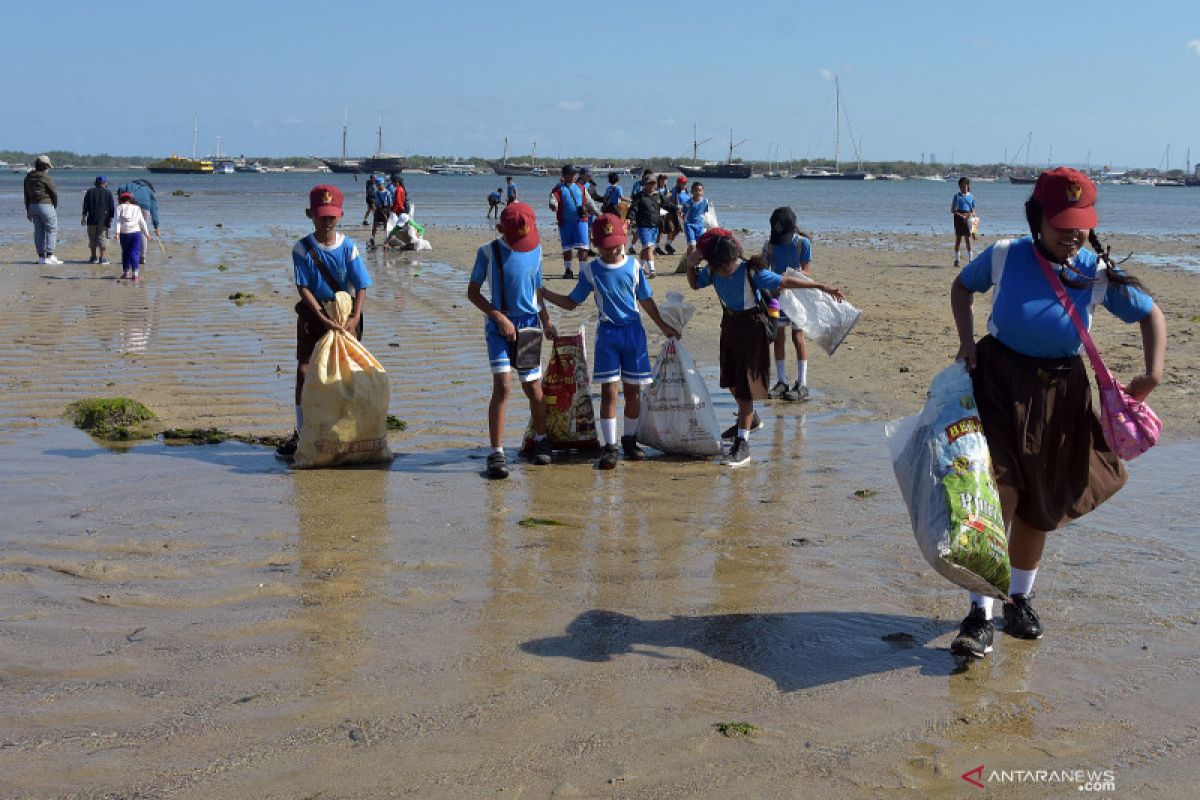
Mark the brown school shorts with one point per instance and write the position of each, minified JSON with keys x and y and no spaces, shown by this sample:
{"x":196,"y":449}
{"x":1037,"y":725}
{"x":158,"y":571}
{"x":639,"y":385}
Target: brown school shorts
{"x":745,"y":355}
{"x":1046,"y":441}
{"x":962,"y":227}
{"x":309,"y":330}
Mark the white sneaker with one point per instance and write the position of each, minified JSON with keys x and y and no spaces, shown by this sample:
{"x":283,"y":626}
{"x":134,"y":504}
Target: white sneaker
{"x":51,"y":260}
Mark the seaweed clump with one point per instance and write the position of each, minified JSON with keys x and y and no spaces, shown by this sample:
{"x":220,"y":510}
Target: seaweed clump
{"x":111,"y":418}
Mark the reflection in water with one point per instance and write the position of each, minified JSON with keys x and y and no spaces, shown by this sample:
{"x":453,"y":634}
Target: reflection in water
{"x":342,"y":522}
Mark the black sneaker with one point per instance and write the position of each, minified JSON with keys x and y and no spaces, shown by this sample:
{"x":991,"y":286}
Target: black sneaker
{"x":288,"y":448}
{"x":778,"y":391}
{"x":658,"y":251}
{"x":797,"y":392}
{"x":497,"y":466}
{"x":974,"y":638}
{"x":542,"y":452}
{"x":632,"y":451}
{"x":670,"y":248}
{"x":608,"y":457}
{"x":568,"y":275}
{"x":731,"y":431}
{"x":738,"y":454}
{"x":1020,"y":620}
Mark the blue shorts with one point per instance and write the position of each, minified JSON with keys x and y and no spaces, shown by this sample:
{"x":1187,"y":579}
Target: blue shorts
{"x":647,"y":236}
{"x":498,"y":347}
{"x":693,"y":231}
{"x":621,"y":354}
{"x":573,"y":235}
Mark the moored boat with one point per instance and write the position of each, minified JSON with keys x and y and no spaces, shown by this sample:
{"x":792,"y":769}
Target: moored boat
{"x":181,"y":166}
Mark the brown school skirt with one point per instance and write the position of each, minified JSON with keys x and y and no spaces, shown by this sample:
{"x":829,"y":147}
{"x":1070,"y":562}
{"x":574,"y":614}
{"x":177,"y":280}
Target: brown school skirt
{"x":1044,"y":437}
{"x":745,"y":355}
{"x":962,"y":227}
{"x":309,"y":330}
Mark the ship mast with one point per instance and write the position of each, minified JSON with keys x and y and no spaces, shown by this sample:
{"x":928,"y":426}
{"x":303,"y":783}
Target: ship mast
{"x":696,"y":144}
{"x":732,"y":145}
{"x":380,"y":150}
{"x":345,"y":124}
{"x":195,"y":130}
{"x":837,"y":125}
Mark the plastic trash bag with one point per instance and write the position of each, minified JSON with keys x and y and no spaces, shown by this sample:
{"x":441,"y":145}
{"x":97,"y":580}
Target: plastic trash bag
{"x":677,"y":411}
{"x":345,"y":400}
{"x":566,"y":384}
{"x":405,"y":231}
{"x":824,"y":320}
{"x":709,"y":218}
{"x":942,"y":464}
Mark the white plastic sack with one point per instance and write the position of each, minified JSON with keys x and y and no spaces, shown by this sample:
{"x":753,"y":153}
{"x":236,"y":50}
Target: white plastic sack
{"x":942,"y":464}
{"x":709,"y":218}
{"x":403,"y":229}
{"x":824,"y":320}
{"x":677,"y":411}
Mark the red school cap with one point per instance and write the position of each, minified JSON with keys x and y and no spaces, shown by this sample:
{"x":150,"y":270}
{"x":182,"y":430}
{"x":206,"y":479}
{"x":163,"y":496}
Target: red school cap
{"x":518,"y":223}
{"x":710,"y":236}
{"x":609,"y":231}
{"x":1067,"y":197}
{"x":325,"y":201}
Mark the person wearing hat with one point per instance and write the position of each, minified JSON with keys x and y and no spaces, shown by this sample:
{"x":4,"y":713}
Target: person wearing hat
{"x":129,"y":225}
{"x":511,"y":265}
{"x":99,"y":208}
{"x":571,"y":206}
{"x":41,"y":208}
{"x":1051,"y":461}
{"x":323,"y":254}
{"x":621,"y":355}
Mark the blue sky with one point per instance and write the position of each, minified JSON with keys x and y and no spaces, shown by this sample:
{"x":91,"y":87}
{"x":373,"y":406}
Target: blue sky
{"x":967,"y":80}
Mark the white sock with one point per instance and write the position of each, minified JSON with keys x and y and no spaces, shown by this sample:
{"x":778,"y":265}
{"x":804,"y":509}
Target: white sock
{"x":651,"y":263}
{"x":499,"y":450}
{"x":744,"y":433}
{"x":299,"y":418}
{"x":1021,"y":581}
{"x":608,"y":431}
{"x":802,"y":371}
{"x":983,"y":602}
{"x":631,"y":425}
{"x":780,"y":370}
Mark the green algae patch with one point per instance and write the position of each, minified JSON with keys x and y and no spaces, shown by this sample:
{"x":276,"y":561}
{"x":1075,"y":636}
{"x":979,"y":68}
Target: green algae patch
{"x":179,"y":436}
{"x":241,"y":298}
{"x":116,"y":419}
{"x":735,"y":728}
{"x":537,"y":522}
{"x":394,"y":423}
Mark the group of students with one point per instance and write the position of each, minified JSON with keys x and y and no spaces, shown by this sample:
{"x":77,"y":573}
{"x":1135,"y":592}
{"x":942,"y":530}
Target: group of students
{"x":1050,"y":458}
{"x":502,"y":196}
{"x":385,"y":197}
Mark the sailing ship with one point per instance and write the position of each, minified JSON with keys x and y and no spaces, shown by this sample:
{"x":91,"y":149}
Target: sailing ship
{"x":344,"y":166}
{"x":709,"y":169}
{"x":387,"y":163}
{"x":814,"y":174}
{"x":506,"y":167}
{"x":175,"y":165}
{"x":222,"y":165}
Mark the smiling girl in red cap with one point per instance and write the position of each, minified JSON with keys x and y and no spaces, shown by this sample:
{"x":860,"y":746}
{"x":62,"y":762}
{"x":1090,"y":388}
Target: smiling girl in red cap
{"x":1051,"y":461}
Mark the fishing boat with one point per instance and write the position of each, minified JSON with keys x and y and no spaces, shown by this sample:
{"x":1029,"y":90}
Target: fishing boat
{"x":175,"y":165}
{"x":836,"y":174}
{"x":343,"y":166}
{"x":506,"y":167}
{"x":453,"y":169}
{"x":712,"y":169}
{"x":242,"y":165}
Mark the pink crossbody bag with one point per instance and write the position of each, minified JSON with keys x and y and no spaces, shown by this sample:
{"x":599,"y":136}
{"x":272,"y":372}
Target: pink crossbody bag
{"x":1130,"y":426}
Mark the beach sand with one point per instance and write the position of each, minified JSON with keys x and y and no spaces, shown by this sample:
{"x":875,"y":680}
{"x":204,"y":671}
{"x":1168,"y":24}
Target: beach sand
{"x":199,"y":622}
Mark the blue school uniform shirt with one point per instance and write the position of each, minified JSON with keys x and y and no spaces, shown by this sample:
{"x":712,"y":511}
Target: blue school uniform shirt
{"x":681,"y":196}
{"x":384,"y":197}
{"x":1026,"y":315}
{"x":510,"y":191}
{"x":734,"y":290}
{"x":618,"y":289}
{"x":342,"y":260}
{"x":791,"y":255}
{"x":693,"y":212}
{"x":613,"y":194}
{"x":570,"y":203}
{"x":494,"y":197}
{"x":522,"y":278}
{"x":964,"y":202}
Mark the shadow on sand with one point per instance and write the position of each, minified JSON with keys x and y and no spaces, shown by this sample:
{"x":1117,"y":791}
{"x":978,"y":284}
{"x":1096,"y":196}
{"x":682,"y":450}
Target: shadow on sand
{"x":795,"y":650}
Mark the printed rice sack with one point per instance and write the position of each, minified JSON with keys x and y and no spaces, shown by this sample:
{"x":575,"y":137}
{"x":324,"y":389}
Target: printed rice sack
{"x":824,"y":320}
{"x":566,"y":384}
{"x":345,"y":400}
{"x":677,"y":411}
{"x":942,"y":464}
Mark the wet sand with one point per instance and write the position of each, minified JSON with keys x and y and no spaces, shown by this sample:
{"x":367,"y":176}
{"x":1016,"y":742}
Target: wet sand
{"x":197,"y":621}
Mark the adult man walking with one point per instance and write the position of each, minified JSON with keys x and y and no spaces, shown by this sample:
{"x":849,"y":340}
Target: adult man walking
{"x":98,"y":210}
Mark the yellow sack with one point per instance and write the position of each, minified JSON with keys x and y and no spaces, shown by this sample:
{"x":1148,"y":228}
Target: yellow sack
{"x":345,"y":400}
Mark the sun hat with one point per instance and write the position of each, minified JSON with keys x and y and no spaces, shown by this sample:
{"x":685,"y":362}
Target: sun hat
{"x":41,"y":161}
{"x":518,"y":223}
{"x":1067,"y":197}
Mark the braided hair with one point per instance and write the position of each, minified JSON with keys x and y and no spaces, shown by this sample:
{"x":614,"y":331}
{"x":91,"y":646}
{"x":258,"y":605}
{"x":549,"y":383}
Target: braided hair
{"x":1116,"y":275}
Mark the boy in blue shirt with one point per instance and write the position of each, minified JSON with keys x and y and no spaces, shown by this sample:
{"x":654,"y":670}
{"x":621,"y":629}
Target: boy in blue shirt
{"x":693,"y":209}
{"x":383,"y":204}
{"x":510,"y":191}
{"x":570,"y":204}
{"x":494,"y":204}
{"x":613,"y":195}
{"x":620,"y":354}
{"x":324,"y":252}
{"x":512,"y":266}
